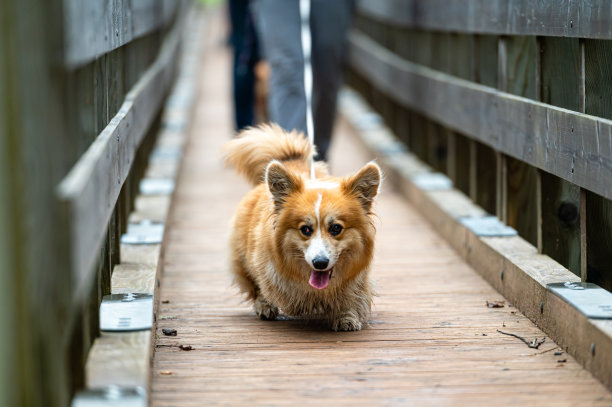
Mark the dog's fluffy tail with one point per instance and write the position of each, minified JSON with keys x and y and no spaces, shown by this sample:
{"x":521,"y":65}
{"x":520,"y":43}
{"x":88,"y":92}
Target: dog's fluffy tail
{"x":255,"y":147}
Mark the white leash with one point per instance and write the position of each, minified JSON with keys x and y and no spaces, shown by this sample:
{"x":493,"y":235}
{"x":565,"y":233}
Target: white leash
{"x":307,"y":52}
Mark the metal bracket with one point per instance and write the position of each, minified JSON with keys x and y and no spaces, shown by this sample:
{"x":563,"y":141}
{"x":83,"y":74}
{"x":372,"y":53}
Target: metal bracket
{"x":166,"y":153}
{"x":432,"y":181}
{"x":126,"y":312}
{"x":392,"y":148}
{"x":489,"y":226}
{"x":114,"y":396}
{"x":588,"y":298}
{"x":144,"y":232}
{"x":368,"y":121}
{"x":156,"y":186}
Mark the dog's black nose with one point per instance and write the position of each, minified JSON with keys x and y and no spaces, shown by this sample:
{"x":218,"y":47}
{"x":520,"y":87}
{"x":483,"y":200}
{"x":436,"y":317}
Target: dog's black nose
{"x":320,"y":263}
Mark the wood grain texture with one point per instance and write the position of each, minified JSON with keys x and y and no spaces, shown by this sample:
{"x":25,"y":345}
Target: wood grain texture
{"x":598,"y":101}
{"x":431,"y":338}
{"x":510,"y":264}
{"x":572,"y":146}
{"x":559,"y":18}
{"x":91,"y":189}
{"x":560,"y":70}
{"x":93,"y":28}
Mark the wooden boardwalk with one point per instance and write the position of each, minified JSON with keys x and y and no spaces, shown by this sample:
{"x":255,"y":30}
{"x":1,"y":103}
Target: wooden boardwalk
{"x":432,"y":340}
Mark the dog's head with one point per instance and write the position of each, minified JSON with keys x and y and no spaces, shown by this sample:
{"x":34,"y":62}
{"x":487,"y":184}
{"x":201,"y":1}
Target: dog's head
{"x":323,"y":227}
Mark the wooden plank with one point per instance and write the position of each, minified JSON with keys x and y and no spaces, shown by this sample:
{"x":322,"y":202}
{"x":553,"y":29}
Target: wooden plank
{"x":522,"y":203}
{"x":120,"y":359}
{"x":8,"y":260}
{"x":94,"y":28}
{"x":598,"y":95}
{"x":521,"y":72}
{"x":33,"y":132}
{"x":538,"y":134}
{"x":435,"y":353}
{"x":92,"y":187}
{"x":515,"y":268}
{"x":557,"y":18}
{"x":485,"y":60}
{"x":486,"y":185}
{"x":560,"y":67}
{"x":462,"y":163}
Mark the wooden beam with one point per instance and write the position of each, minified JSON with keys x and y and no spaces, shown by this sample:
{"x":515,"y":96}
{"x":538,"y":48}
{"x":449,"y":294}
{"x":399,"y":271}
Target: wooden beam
{"x":91,"y":188}
{"x":570,"y":145}
{"x":93,"y":28}
{"x":510,"y":264}
{"x":559,"y":18}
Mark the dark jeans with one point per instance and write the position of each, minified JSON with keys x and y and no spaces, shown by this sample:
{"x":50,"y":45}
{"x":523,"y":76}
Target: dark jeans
{"x":278,"y":24}
{"x":246,"y":55}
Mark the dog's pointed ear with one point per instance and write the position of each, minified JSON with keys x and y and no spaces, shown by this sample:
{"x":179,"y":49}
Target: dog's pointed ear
{"x":281,"y":183}
{"x":364,"y":185}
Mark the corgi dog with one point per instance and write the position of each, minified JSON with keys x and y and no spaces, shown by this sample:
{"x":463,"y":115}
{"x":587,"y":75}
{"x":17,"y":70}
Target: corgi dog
{"x":302,"y":245}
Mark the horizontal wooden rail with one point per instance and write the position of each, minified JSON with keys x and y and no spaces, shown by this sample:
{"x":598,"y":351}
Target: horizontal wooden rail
{"x":570,"y":145}
{"x":93,"y":28}
{"x":91,"y":188}
{"x":559,"y":18}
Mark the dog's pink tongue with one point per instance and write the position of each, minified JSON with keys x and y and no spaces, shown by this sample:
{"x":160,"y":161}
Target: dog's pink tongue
{"x":319,"y":279}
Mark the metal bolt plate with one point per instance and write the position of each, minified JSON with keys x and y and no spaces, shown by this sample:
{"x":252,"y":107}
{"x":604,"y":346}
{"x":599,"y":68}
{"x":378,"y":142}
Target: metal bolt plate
{"x":166,"y":153}
{"x":488,"y":226}
{"x":588,"y":298}
{"x":111,"y":396}
{"x":368,"y":121}
{"x":144,"y":232}
{"x":432,"y":181}
{"x":156,"y":186}
{"x":391,"y":148}
{"x":126,"y":312}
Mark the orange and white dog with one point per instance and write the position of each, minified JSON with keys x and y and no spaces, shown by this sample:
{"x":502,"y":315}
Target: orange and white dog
{"x":302,"y":245}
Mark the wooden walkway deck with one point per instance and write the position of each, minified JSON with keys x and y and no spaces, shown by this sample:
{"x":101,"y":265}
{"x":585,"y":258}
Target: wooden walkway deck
{"x":432,"y":340}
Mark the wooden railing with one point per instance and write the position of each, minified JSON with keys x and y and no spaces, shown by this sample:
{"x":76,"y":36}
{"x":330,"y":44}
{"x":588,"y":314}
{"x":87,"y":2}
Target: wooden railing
{"x":511,"y":99}
{"x":83,"y":84}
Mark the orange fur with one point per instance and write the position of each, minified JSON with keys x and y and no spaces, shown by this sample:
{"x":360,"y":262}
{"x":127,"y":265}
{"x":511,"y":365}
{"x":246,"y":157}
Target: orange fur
{"x":274,"y":261}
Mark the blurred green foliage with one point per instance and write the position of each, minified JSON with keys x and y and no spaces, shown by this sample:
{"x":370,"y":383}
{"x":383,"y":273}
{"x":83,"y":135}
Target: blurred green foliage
{"x":211,"y":2}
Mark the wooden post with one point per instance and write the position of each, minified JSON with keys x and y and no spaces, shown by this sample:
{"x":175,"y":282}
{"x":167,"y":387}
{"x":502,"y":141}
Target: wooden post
{"x":501,"y":198}
{"x":520,"y":56}
{"x":598,"y":102}
{"x":560,"y":206}
{"x":583,"y":203}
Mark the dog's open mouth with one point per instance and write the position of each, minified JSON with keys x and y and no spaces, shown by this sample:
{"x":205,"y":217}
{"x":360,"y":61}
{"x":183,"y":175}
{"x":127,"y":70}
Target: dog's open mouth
{"x":320,"y":279}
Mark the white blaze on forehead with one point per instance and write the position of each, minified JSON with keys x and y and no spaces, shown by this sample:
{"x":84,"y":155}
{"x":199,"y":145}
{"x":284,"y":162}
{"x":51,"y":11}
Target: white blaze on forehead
{"x":317,"y":207}
{"x":321,"y":184}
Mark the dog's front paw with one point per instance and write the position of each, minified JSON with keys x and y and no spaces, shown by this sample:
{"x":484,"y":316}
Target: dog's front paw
{"x":264,"y":309}
{"x":346,"y":323}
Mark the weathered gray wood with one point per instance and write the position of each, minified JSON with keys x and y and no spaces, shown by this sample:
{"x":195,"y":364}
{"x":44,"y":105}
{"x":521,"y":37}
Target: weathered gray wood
{"x":486,"y":186}
{"x":598,"y":98}
{"x":92,"y":187}
{"x":560,"y":18}
{"x":572,"y":146}
{"x":560,"y":86}
{"x":521,"y":78}
{"x":8,"y":357}
{"x":93,"y":28}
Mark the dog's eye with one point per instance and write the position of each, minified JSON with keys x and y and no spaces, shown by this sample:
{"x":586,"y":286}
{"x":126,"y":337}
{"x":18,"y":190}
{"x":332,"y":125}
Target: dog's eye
{"x":306,"y":230}
{"x":335,"y":229}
